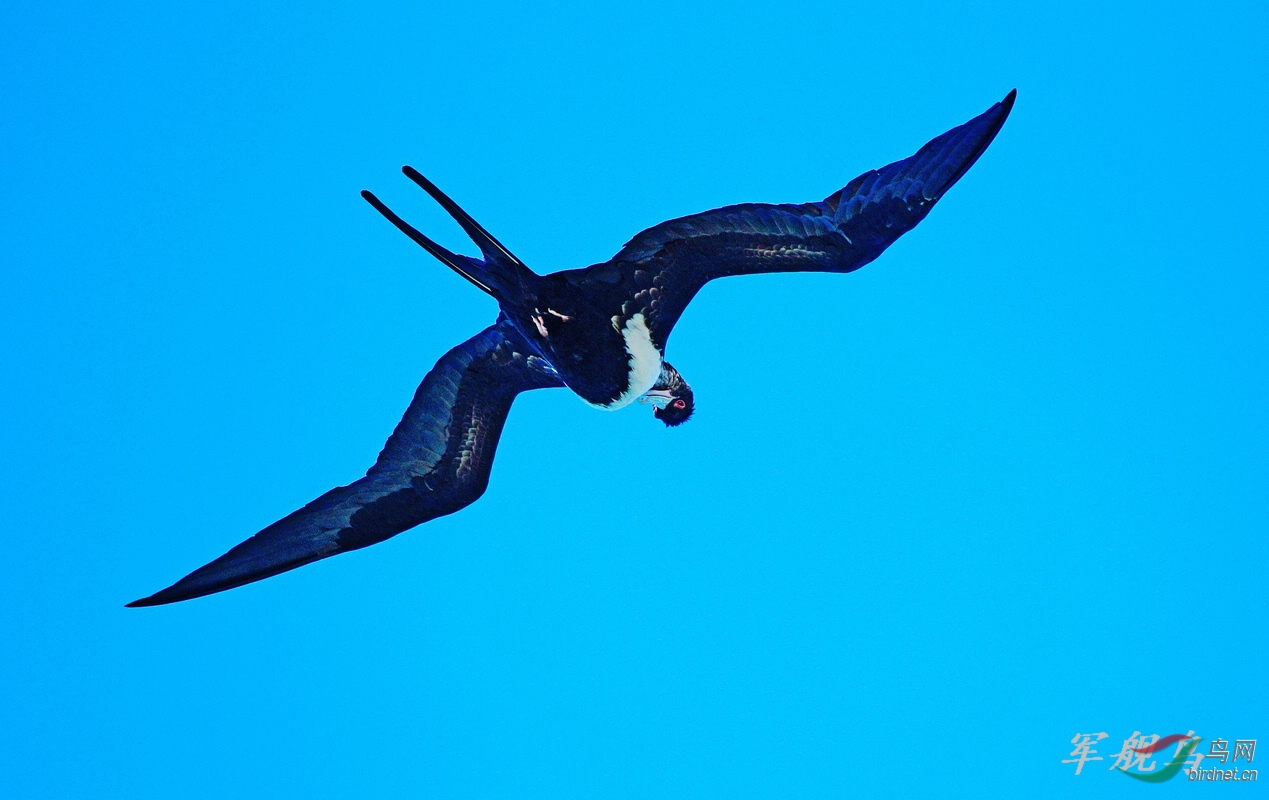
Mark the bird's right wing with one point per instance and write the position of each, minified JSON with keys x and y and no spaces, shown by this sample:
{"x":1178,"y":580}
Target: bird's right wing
{"x":661,"y":269}
{"x":436,"y":461}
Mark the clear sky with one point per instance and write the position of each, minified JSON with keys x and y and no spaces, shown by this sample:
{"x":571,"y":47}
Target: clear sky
{"x":1004,"y":485}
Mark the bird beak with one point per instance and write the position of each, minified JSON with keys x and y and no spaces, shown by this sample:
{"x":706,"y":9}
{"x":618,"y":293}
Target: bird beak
{"x":659,"y":398}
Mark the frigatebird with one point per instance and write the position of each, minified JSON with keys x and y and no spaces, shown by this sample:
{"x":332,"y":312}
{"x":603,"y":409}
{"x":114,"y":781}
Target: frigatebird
{"x":601,"y":331}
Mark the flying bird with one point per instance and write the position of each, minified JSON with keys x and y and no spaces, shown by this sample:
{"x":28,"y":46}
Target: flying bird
{"x":601,"y":331}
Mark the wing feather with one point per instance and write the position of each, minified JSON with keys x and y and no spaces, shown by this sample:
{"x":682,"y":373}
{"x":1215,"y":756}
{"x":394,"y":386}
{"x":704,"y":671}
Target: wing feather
{"x":845,"y":231}
{"x":437,"y":461}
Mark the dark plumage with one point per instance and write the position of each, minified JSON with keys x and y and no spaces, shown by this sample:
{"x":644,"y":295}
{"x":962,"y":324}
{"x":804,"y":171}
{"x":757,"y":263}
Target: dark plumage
{"x":601,"y":331}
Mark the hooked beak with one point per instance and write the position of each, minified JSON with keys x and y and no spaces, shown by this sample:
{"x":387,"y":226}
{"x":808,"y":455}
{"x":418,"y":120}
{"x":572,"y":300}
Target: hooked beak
{"x":660,"y":398}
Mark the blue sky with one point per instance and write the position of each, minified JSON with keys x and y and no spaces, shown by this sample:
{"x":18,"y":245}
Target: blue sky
{"x":1005,"y":484}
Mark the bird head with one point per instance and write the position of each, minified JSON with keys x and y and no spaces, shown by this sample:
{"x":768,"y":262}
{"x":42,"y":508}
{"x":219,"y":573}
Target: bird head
{"x":671,"y":397}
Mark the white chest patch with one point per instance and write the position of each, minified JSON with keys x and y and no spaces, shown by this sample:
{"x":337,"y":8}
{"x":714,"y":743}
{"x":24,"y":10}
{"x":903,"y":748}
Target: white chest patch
{"x":645,"y":362}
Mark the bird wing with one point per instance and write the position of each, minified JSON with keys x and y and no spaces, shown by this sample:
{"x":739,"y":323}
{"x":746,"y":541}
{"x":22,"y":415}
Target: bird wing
{"x":662,"y":268}
{"x":436,"y":461}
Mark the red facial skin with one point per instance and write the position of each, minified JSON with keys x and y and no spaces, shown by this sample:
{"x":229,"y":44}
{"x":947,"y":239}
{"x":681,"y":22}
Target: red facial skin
{"x":674,"y":413}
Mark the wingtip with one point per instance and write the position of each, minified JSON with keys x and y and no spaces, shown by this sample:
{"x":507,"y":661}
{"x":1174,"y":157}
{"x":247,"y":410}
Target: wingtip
{"x":185,"y":589}
{"x":173,"y":594}
{"x":160,"y":598}
{"x":1007,"y":103}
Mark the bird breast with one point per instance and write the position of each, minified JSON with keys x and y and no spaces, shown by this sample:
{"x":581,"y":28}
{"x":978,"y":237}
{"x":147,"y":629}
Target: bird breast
{"x":645,"y":361}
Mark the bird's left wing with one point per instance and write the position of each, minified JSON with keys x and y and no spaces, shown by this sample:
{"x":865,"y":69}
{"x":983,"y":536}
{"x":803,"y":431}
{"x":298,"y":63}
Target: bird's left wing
{"x":661,"y":269}
{"x":436,"y":461}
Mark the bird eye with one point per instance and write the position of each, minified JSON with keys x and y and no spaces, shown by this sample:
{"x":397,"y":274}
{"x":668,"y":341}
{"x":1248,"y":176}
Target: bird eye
{"x":680,"y":404}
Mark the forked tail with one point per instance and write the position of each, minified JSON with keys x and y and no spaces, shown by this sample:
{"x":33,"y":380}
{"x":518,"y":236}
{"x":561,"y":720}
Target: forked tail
{"x":499,"y":274}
